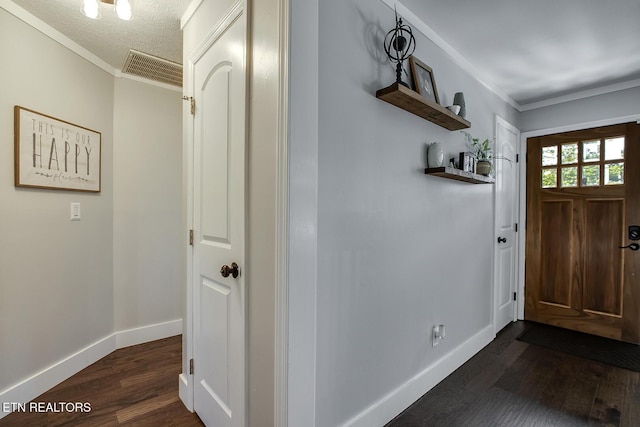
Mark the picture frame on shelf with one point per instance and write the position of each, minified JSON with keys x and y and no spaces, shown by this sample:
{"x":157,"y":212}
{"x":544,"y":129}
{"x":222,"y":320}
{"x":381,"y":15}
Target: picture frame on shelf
{"x":423,"y":80}
{"x":467,"y":162}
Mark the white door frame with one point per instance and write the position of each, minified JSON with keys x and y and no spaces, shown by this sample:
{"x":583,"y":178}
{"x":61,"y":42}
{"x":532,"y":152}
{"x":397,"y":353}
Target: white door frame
{"x":499,"y":121}
{"x":523,"y":186}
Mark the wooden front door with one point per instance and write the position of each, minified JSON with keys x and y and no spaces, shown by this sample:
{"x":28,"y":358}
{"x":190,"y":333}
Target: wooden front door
{"x":583,"y":193}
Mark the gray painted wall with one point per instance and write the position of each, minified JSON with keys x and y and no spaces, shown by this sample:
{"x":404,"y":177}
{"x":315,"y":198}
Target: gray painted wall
{"x":147,"y":205}
{"x":58,"y":290}
{"x":602,"y":107}
{"x":398,"y":251}
{"x":56,"y":276}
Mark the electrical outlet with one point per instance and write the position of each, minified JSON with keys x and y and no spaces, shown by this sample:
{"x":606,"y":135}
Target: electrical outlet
{"x":437,"y":335}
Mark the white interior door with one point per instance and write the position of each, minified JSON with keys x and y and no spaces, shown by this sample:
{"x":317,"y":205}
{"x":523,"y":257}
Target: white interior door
{"x":505,"y":268}
{"x":219,"y":228}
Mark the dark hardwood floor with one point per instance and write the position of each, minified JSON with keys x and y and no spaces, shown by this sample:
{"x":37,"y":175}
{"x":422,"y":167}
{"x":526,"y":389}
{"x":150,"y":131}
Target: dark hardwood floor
{"x":509,"y":383}
{"x":514,"y":384}
{"x":133,"y":386}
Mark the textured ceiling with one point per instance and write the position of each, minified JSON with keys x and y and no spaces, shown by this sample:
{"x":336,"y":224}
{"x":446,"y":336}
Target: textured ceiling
{"x":531,"y":50}
{"x":535,"y":50}
{"x":155,"y":28}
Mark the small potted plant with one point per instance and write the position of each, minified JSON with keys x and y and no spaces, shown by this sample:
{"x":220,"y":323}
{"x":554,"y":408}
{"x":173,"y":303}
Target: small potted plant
{"x":482,"y":150}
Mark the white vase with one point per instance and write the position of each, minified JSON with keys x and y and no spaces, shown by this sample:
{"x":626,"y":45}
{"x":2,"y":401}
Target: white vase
{"x":435,"y":155}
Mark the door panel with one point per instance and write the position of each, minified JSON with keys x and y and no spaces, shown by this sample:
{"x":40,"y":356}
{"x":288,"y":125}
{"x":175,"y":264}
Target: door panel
{"x":583,"y":190}
{"x":214,"y":306}
{"x":603,"y":261}
{"x":505,"y":253}
{"x":506,"y":261}
{"x":219,"y":229}
{"x":214,"y":160}
{"x":555,"y":284}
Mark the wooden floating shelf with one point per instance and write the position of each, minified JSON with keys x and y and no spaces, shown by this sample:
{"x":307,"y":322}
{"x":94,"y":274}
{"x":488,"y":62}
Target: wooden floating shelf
{"x":411,"y":101}
{"x":458,"y":175}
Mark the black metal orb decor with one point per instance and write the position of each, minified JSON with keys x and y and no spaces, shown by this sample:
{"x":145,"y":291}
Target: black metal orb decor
{"x":399,"y":44}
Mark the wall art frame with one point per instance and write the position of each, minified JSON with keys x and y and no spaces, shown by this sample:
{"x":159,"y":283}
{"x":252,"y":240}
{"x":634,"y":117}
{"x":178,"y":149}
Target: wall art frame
{"x":51,"y":153}
{"x":467,"y":162}
{"x":423,"y":79}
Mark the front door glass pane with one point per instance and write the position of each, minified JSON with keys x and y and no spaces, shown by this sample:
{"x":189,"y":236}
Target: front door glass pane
{"x":614,"y":173}
{"x":550,"y":156}
{"x":591,"y":151}
{"x":591,"y":175}
{"x":570,"y":177}
{"x":614,"y":148}
{"x":549,"y":178}
{"x":569,"y":154}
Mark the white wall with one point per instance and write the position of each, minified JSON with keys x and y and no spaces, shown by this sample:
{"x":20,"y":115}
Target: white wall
{"x":397,"y":251}
{"x":147,"y":206}
{"x":69,"y":289}
{"x":602,"y":107}
{"x":56,"y":276}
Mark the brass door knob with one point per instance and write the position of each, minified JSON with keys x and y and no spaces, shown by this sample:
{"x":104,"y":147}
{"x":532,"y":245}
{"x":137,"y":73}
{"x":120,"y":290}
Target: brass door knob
{"x":234,"y":270}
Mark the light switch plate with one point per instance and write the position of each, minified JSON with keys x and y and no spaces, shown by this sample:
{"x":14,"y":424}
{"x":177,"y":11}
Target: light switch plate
{"x":75,"y":212}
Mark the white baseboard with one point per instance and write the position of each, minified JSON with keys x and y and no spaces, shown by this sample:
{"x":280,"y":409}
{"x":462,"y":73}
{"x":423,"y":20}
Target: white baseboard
{"x":385,"y":409}
{"x":34,"y":386}
{"x":148,"y":333}
{"x":48,"y":378}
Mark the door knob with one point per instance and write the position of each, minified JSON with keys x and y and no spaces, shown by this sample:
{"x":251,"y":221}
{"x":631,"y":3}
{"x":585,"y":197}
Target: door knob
{"x":234,"y":270}
{"x":632,"y":246}
{"x":502,"y":240}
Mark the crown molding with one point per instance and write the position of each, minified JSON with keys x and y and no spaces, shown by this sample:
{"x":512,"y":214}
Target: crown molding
{"x":65,"y":41}
{"x":467,"y":66}
{"x":54,"y":34}
{"x":460,"y":60}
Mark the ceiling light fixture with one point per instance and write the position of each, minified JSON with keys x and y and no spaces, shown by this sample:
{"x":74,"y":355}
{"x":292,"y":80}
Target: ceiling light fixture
{"x":123,"y":8}
{"x":91,"y":9}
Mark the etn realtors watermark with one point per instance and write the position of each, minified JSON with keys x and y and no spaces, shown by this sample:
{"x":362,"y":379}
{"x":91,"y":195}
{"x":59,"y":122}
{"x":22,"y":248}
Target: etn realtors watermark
{"x":46,"y":407}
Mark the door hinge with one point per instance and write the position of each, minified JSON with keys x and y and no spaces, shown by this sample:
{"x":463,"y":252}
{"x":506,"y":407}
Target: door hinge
{"x":515,"y":298}
{"x":190,"y":366}
{"x":193,"y":103}
{"x":191,"y":237}
{"x":515,"y":227}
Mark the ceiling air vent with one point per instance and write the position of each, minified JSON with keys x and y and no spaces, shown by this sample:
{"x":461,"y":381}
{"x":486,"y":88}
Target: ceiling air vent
{"x":151,"y":67}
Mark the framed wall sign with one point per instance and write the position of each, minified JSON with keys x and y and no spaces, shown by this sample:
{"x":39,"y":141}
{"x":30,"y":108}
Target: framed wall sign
{"x":53,"y":153}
